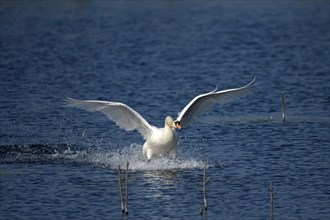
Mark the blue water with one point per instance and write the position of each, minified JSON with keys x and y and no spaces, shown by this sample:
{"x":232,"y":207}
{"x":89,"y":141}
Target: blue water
{"x":60,"y":163}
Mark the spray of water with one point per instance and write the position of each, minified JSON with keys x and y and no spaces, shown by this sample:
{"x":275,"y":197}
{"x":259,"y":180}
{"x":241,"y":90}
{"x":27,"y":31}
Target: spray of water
{"x":133,"y":154}
{"x":100,"y":156}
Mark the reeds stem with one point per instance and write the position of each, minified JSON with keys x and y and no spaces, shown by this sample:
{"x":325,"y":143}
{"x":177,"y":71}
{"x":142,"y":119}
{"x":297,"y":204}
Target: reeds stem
{"x":204,"y":187}
{"x":126,"y":207}
{"x":205,"y":180}
{"x":271,"y":200}
{"x":283,"y":113}
{"x":121,"y":190}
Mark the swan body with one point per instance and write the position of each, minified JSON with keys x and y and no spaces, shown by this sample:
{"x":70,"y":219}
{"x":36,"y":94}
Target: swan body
{"x":163,"y":141}
{"x":159,"y":141}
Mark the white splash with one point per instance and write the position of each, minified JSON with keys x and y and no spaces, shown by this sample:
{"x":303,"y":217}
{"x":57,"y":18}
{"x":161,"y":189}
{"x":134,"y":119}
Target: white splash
{"x":111,"y":157}
{"x":137,"y":162}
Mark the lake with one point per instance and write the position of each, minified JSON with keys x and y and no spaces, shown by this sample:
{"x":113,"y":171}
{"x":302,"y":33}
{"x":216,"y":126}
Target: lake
{"x":61,"y":163}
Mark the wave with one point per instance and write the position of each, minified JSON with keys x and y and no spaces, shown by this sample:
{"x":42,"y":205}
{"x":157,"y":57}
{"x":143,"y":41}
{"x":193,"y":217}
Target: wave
{"x":95,"y":156}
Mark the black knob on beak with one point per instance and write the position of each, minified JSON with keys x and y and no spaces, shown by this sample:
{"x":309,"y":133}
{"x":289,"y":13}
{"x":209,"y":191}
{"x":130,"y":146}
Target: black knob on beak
{"x":177,"y":125}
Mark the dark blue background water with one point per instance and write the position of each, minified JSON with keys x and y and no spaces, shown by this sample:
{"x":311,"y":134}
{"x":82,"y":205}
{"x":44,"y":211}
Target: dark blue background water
{"x":60,"y":163}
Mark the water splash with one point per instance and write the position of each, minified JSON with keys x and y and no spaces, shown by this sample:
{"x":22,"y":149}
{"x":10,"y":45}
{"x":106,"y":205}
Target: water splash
{"x":137,"y":162}
{"x":96,"y":156}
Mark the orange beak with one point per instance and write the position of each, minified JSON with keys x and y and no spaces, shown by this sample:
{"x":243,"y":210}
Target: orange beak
{"x":178,"y":125}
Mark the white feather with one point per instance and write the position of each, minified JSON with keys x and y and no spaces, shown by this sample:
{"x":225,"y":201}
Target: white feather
{"x":159,"y":141}
{"x":203,"y":102}
{"x":124,"y":116}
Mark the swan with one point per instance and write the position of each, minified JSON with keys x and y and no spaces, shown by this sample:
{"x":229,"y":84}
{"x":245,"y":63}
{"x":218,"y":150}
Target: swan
{"x":159,"y":141}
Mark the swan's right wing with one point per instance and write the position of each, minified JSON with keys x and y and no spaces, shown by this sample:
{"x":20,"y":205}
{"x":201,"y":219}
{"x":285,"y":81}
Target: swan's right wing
{"x":203,"y":102}
{"x":124,"y":116}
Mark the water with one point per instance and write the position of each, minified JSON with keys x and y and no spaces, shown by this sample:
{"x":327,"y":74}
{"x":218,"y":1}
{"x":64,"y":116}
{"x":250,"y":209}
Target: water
{"x":60,"y":163}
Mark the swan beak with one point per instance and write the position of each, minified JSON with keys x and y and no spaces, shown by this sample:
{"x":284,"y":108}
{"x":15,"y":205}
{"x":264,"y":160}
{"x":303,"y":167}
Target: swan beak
{"x":177,"y":125}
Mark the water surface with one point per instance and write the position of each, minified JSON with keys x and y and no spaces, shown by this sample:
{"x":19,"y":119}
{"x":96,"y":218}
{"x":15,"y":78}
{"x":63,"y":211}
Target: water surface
{"x":61,"y":163}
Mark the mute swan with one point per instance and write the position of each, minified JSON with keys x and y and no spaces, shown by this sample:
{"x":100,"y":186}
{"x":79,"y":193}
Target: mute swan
{"x":159,"y":141}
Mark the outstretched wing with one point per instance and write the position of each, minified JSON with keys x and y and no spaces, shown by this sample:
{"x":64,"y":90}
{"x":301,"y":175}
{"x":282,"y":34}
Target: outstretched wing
{"x":124,"y":116}
{"x":203,"y":102}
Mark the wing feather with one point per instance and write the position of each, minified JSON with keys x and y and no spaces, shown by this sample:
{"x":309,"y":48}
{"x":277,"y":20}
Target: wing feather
{"x":124,"y":116}
{"x":204,"y":102}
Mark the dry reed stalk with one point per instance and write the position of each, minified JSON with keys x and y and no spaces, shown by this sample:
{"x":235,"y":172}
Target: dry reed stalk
{"x":283,"y":113}
{"x":126,"y":207}
{"x":271,"y":200}
{"x":121,"y":190}
{"x":205,"y":180}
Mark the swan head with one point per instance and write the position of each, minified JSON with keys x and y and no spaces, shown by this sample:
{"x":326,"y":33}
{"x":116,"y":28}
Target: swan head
{"x":169,"y":122}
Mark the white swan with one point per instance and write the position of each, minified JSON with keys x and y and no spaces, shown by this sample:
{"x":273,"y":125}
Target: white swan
{"x":159,"y":141}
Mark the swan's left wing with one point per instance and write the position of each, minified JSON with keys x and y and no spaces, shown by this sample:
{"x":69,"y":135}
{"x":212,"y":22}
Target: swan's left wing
{"x":203,"y":102}
{"x":124,"y":116}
